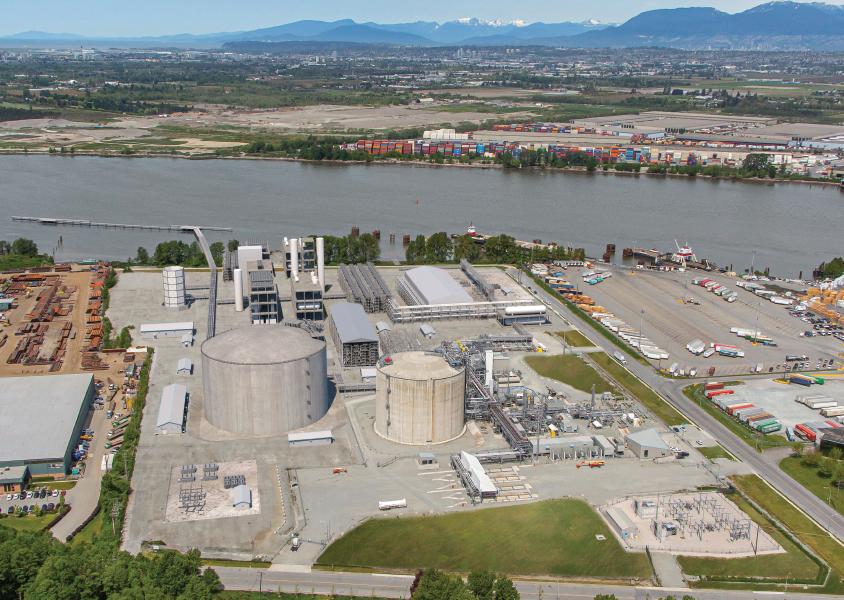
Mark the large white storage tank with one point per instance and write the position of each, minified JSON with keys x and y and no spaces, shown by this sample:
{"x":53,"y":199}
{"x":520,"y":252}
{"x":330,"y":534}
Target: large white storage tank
{"x":419,"y":399}
{"x":174,"y":287}
{"x":264,"y":380}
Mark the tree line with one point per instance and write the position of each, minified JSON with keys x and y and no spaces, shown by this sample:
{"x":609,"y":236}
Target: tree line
{"x":497,"y":249}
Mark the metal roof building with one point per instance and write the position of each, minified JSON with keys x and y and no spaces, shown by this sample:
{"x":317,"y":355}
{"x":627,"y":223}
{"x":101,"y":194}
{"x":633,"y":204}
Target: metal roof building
{"x":647,"y":443}
{"x":242,"y":497}
{"x":41,"y":417}
{"x":431,"y":285}
{"x":155,"y":330}
{"x":353,"y":335}
{"x":185,"y":366}
{"x":171,"y":412}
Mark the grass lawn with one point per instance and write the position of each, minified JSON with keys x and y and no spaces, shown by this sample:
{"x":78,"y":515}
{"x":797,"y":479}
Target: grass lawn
{"x":574,"y":338}
{"x":646,"y":396}
{"x":16,"y":261}
{"x":27,"y":523}
{"x":554,"y":537}
{"x":752,"y":438}
{"x":713,"y":452}
{"x":570,"y":370}
{"x":799,"y":524}
{"x":794,"y":564}
{"x":808,"y":477}
{"x":90,"y":531}
{"x":247,"y":564}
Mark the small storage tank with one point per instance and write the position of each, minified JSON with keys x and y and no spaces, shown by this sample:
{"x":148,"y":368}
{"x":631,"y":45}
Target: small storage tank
{"x":264,"y":380}
{"x":419,"y":398}
{"x":174,"y":287}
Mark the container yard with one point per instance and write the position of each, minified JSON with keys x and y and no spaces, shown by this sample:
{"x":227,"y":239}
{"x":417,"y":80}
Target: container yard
{"x":683,"y":314}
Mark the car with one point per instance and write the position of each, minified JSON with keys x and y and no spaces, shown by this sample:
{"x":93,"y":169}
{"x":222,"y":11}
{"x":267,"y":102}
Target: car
{"x":10,"y":510}
{"x":63,"y":492}
{"x":55,"y":493}
{"x":24,"y":509}
{"x":44,"y":507}
{"x":31,"y":508}
{"x":51,"y":506}
{"x":44,"y":493}
{"x":8,"y":496}
{"x":699,"y":442}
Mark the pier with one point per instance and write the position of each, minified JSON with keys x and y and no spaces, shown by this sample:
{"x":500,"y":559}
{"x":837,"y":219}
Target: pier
{"x":86,"y":223}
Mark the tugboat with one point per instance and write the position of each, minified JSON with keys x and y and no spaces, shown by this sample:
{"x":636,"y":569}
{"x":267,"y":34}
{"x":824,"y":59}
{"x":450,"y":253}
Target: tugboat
{"x":471,"y":231}
{"x":683,"y":254}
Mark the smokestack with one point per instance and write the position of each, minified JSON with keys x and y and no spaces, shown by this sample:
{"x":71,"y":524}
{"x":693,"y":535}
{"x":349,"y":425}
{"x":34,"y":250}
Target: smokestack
{"x":294,"y":258}
{"x":238,"y":290}
{"x":320,"y":258}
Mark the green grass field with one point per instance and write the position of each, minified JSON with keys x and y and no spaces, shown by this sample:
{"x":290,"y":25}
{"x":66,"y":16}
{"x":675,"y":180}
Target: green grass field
{"x":574,"y":338}
{"x":554,"y":537}
{"x":27,"y":523}
{"x":809,"y":478}
{"x":713,"y":452}
{"x":90,"y":531}
{"x":570,"y":370}
{"x":752,"y":438}
{"x":798,"y":524}
{"x":646,"y":396}
{"x":795,"y":564}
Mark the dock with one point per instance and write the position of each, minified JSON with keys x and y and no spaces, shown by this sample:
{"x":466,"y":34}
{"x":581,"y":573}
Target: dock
{"x":86,"y":223}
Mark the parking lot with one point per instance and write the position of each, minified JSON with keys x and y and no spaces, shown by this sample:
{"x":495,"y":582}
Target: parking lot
{"x":37,"y":498}
{"x":672,"y":311}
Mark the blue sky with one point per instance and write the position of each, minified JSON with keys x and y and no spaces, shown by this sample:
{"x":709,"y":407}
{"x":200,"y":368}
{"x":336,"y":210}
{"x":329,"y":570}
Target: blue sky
{"x":157,"y":17}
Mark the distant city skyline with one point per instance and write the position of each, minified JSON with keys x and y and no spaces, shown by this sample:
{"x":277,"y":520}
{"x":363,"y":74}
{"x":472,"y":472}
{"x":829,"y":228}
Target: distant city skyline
{"x":97,"y":18}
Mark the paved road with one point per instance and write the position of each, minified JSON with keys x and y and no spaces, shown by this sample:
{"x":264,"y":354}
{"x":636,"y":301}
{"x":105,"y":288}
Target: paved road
{"x":826,"y":516}
{"x":367,"y":585}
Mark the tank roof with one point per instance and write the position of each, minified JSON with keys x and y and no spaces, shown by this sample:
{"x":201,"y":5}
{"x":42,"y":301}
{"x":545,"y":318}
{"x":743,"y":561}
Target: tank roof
{"x":417,"y":365}
{"x":261,"y":345}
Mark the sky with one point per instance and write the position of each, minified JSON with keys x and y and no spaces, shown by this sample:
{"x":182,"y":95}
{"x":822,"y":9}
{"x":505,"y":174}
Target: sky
{"x":160,"y":17}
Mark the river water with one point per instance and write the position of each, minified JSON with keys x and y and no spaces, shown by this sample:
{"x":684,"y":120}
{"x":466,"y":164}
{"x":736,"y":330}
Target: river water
{"x":790,"y":227}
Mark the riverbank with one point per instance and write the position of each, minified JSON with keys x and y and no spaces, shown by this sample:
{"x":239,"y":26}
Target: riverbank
{"x":423,"y":163}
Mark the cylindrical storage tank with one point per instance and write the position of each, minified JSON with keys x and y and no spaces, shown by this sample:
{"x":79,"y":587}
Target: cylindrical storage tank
{"x":238,"y":290}
{"x":174,"y":287}
{"x":264,"y":380}
{"x":419,"y":399}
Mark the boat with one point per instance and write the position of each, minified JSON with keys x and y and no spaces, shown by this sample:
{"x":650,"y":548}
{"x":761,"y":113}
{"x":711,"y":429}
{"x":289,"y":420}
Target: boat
{"x":683,"y":254}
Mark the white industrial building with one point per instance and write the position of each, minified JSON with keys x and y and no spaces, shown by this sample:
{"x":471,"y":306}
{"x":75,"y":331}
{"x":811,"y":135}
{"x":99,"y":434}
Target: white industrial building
{"x":310,"y":438}
{"x":245,"y":255}
{"x":480,"y":480}
{"x":171,"y":412}
{"x":431,"y":285}
{"x":242,"y":497}
{"x":175,"y":295}
{"x":647,"y":443}
{"x":184,"y":366}
{"x":157,"y":330}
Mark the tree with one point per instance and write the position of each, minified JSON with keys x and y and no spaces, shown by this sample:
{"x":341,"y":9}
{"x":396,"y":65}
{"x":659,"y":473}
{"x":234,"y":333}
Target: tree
{"x":797,"y":448}
{"x":24,"y":247}
{"x":142,"y":256}
{"x":505,"y":590}
{"x":233,"y":245}
{"x":436,"y":585}
{"x":757,"y":163}
{"x":415,"y":252}
{"x":217,"y":250}
{"x":466,"y":247}
{"x":438,"y":248}
{"x":481,"y":584}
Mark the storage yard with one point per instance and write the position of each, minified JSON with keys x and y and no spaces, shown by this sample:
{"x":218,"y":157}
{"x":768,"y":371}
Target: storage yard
{"x":676,"y":312}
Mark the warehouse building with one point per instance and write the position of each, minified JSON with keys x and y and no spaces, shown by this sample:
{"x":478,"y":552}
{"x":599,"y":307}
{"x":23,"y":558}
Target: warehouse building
{"x":647,"y":443}
{"x":353,"y":335}
{"x":171,"y":412}
{"x":41,"y":418}
{"x":431,"y":285}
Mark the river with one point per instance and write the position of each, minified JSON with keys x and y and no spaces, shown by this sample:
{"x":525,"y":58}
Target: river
{"x":791,"y":228}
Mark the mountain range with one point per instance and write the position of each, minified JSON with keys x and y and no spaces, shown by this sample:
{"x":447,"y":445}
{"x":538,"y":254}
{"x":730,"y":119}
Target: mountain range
{"x":781,"y":25}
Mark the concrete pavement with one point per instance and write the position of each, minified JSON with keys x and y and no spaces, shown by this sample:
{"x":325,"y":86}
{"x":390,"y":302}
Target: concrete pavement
{"x":826,"y":516}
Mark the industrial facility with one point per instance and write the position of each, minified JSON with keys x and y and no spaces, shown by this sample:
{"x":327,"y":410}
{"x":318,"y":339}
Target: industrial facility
{"x":174,"y":287}
{"x":41,"y":419}
{"x":264,"y":380}
{"x":353,"y":335}
{"x":419,"y":399}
